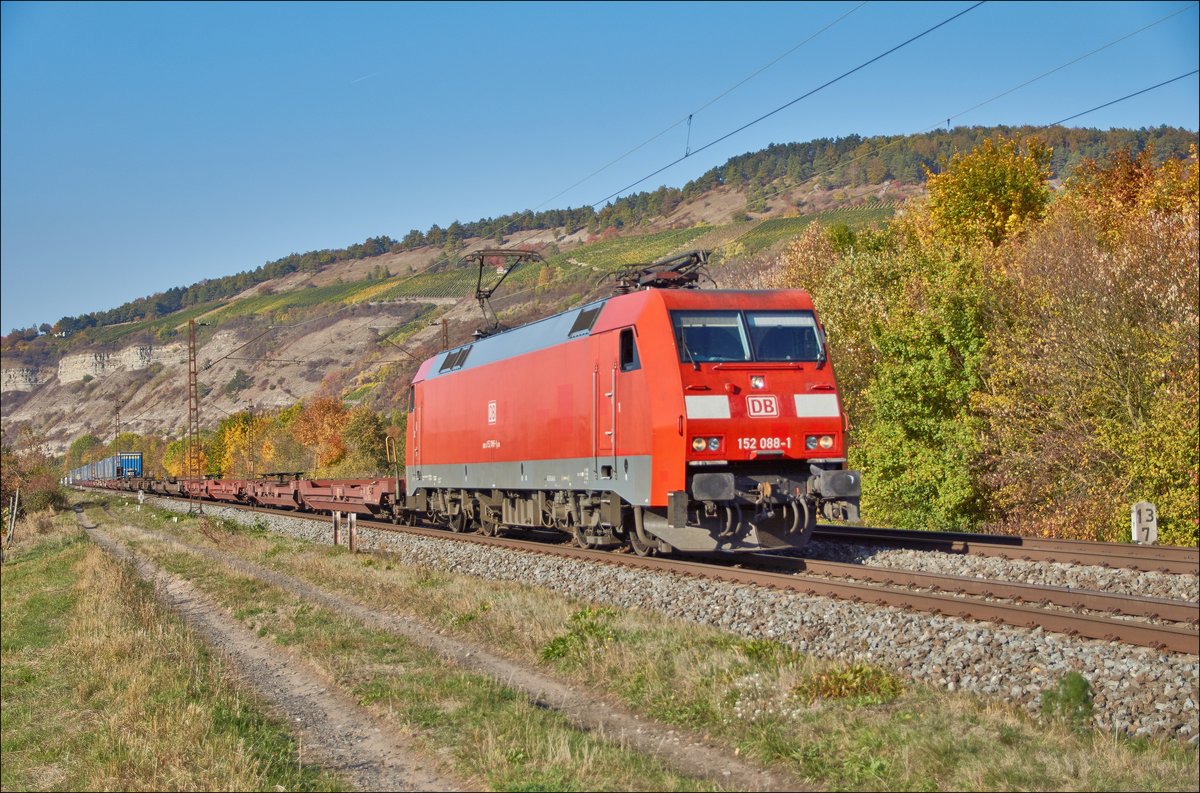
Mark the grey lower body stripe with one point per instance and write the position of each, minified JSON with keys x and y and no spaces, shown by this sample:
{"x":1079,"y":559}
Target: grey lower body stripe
{"x":630,"y":476}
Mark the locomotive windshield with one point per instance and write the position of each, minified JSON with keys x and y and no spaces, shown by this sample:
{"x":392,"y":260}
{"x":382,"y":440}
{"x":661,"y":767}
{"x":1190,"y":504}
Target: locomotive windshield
{"x":714,"y":336}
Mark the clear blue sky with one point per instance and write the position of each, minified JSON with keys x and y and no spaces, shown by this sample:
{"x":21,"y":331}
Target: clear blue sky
{"x":151,"y":145}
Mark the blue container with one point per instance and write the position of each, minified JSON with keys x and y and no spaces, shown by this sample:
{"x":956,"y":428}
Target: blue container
{"x":129,"y":465}
{"x":123,"y":465}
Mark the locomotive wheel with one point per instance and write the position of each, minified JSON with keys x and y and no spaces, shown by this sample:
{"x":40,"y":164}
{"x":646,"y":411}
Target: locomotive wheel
{"x":459,"y":522}
{"x":806,"y":522}
{"x":639,"y":547}
{"x":489,"y":526}
{"x":579,"y":539}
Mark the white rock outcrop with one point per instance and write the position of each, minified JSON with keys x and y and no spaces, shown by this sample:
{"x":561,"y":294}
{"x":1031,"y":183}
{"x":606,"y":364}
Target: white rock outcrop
{"x":24,"y":378}
{"x":73,"y":368}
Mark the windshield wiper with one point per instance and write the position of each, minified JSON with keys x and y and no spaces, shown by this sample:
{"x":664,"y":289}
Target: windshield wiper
{"x":688,"y":351}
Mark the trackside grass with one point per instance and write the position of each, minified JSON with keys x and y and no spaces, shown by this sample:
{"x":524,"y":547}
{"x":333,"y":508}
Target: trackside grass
{"x":485,"y":732}
{"x":104,"y":690}
{"x":841,"y":726}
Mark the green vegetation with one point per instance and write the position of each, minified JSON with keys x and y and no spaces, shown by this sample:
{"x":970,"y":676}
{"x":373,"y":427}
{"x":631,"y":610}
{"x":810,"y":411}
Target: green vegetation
{"x":456,"y":282}
{"x":206,"y":292}
{"x":591,"y":629}
{"x":1070,"y":701}
{"x":774,"y":230}
{"x":239,"y":382}
{"x":104,"y":690}
{"x":620,"y":251}
{"x":863,"y":684}
{"x":166,"y":327}
{"x":276,"y":305}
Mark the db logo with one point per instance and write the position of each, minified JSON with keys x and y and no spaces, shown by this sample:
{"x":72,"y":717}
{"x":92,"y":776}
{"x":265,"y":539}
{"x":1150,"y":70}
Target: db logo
{"x":492,"y":412}
{"x":762,"y":406}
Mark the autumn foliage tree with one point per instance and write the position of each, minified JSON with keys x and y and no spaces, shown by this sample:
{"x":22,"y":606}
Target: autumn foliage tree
{"x":1016,"y":363}
{"x":991,"y":192}
{"x":907,"y":313}
{"x":25,"y":466}
{"x":319,"y":428}
{"x":1093,"y":397}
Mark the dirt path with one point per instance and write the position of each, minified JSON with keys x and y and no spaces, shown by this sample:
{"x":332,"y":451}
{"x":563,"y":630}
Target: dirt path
{"x":583,"y":708}
{"x":333,"y":729}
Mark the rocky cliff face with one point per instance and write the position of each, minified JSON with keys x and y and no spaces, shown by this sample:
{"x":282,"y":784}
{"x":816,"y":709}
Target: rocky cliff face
{"x":24,"y":378}
{"x":150,"y":383}
{"x":74,"y":368}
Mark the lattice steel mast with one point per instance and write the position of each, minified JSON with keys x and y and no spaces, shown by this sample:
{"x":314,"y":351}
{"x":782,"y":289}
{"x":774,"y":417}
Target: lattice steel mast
{"x":192,"y":469}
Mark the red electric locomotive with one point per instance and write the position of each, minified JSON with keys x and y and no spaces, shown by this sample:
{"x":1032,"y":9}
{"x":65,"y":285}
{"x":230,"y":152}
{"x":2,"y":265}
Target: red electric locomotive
{"x":662,"y":418}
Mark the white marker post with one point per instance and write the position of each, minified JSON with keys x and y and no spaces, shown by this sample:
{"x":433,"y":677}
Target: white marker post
{"x":1143,"y":523}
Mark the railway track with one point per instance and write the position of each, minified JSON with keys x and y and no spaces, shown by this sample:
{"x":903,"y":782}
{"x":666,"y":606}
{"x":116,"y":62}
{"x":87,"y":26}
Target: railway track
{"x":1148,"y":558}
{"x":1169,"y":625}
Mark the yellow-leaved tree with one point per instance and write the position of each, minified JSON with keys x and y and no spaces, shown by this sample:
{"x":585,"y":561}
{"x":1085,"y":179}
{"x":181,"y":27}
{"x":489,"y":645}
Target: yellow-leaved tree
{"x":319,"y":428}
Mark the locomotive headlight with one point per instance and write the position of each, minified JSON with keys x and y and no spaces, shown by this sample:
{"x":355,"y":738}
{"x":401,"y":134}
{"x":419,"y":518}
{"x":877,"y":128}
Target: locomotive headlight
{"x":825,"y":442}
{"x":699,"y":444}
{"x":757,"y":381}
{"x":714,"y":444}
{"x":813,"y":441}
{"x":810,"y":442}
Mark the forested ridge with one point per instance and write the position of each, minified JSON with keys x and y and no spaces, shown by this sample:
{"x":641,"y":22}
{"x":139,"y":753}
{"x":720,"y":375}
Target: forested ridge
{"x":835,"y":162}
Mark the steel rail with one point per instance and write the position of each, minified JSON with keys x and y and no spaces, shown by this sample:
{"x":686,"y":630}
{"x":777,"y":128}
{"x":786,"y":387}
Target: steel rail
{"x":1170,"y":637}
{"x":1151,"y":558}
{"x":1067,"y":597}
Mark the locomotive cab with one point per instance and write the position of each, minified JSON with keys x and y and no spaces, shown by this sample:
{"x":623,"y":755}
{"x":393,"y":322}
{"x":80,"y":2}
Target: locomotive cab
{"x":763,"y":433}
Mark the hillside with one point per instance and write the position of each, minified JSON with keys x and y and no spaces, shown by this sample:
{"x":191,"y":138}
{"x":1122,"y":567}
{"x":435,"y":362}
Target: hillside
{"x":328,"y":327}
{"x":355,"y":323}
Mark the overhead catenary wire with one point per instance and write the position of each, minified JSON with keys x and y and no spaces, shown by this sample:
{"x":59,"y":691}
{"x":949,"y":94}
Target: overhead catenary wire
{"x":688,"y":118}
{"x":1122,"y":99}
{"x":786,"y":105}
{"x":993,"y":98}
{"x":1073,"y":61}
{"x":1004,"y":93}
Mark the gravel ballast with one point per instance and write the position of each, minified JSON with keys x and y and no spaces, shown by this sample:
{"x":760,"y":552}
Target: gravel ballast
{"x":1136,"y":690}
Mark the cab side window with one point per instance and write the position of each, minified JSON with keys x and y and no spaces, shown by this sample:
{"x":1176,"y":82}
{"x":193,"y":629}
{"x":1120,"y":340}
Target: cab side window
{"x":629,"y":353}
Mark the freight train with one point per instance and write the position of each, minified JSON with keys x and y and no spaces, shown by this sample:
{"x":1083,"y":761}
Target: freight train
{"x":658,"y":419}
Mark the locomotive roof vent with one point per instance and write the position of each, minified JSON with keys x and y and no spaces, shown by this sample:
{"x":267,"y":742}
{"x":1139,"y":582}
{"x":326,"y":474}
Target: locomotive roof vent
{"x":676,"y":272}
